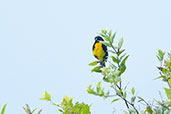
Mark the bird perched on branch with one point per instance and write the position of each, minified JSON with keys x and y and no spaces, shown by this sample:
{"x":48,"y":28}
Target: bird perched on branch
{"x":100,"y":50}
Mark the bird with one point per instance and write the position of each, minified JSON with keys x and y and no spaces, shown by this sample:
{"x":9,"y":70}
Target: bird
{"x":100,"y":50}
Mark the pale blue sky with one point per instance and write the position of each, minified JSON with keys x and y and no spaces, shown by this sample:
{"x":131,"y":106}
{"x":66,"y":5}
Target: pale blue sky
{"x":46,"y":45}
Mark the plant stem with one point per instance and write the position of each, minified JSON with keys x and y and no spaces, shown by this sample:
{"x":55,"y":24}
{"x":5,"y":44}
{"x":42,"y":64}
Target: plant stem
{"x":127,"y":103}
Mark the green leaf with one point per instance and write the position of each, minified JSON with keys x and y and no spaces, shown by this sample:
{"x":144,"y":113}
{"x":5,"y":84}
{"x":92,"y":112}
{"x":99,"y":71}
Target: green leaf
{"x":96,"y":69}
{"x":119,"y":92}
{"x":55,"y":104}
{"x":120,"y":52}
{"x":122,"y":68}
{"x":120,"y":43}
{"x":93,"y":63}
{"x":115,"y":60}
{"x":122,"y":65}
{"x":46,"y":96}
{"x":104,"y":31}
{"x":168,"y":93}
{"x":90,"y":90}
{"x":122,"y":56}
{"x":110,"y":32}
{"x":3,"y":109}
{"x":39,"y":111}
{"x":140,"y":99}
{"x":133,"y":99}
{"x":160,"y":77}
{"x":114,"y":100}
{"x":158,"y":58}
{"x":111,"y":51}
{"x":169,"y":64}
{"x":98,"y":87}
{"x":102,"y":34}
{"x":124,"y":95}
{"x":123,"y":62}
{"x":112,"y":37}
{"x":67,"y":102}
{"x":164,"y":70}
{"x":33,"y":110}
{"x":169,"y":82}
{"x":125,"y":87}
{"x":60,"y":110}
{"x":101,"y":92}
{"x":27,"y":109}
{"x":85,"y":109}
{"x":116,"y":80}
{"x":133,"y":91}
{"x":105,"y":79}
{"x":107,"y":38}
{"x":160,"y":55}
{"x":149,"y":110}
{"x":107,"y":94}
{"x":105,"y":43}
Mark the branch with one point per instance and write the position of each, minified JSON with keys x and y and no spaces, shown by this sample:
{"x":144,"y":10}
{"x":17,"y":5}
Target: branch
{"x":127,"y":102}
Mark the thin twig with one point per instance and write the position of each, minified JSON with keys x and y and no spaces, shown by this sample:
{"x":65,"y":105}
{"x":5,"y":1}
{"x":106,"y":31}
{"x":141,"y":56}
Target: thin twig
{"x":127,"y":102}
{"x":112,"y":95}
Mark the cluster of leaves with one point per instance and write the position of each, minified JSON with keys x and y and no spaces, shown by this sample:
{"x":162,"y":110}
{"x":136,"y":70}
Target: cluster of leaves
{"x":165,"y":74}
{"x":112,"y":73}
{"x":28,"y":110}
{"x":99,"y":91}
{"x":165,"y":68}
{"x":67,"y":106}
{"x":163,"y":106}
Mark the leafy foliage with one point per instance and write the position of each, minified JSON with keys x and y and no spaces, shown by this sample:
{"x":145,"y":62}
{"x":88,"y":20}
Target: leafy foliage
{"x":46,"y":97}
{"x":112,"y":74}
{"x":67,"y":106}
{"x":28,"y":110}
{"x":160,"y":55}
{"x":168,"y":93}
{"x":99,"y":91}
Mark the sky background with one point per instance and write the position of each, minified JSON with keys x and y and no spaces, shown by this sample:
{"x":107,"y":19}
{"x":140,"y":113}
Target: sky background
{"x":46,"y":45}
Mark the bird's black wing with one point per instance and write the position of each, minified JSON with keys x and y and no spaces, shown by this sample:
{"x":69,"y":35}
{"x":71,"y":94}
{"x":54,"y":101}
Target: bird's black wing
{"x":106,"y":52}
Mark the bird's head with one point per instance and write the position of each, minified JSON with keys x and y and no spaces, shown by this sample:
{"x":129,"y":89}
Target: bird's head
{"x":98,"y":38}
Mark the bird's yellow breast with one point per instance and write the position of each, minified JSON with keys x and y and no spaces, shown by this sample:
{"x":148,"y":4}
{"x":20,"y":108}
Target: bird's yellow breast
{"x":98,"y":51}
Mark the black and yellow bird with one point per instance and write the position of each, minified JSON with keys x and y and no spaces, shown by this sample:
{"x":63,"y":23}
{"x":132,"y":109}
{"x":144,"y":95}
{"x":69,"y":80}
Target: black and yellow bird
{"x":100,"y":50}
